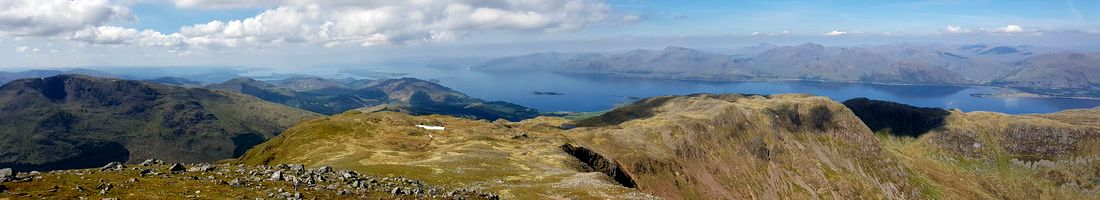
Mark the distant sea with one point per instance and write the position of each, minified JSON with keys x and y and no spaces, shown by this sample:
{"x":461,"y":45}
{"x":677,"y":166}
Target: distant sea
{"x":589,"y":92}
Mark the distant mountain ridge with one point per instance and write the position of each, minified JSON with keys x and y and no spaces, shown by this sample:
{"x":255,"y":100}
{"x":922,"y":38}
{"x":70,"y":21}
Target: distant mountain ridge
{"x":77,"y":121}
{"x":6,"y":77}
{"x":1034,"y":69}
{"x":408,"y":95}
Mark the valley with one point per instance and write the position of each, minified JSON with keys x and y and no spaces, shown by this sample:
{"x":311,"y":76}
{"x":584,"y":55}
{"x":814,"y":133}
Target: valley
{"x":549,"y":99}
{"x":664,"y":147}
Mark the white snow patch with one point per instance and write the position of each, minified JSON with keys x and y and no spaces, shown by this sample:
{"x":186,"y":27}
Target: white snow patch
{"x":434,"y":128}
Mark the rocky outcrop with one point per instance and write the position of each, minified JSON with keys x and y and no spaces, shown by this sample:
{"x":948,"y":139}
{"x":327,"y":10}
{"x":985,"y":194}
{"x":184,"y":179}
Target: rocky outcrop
{"x":595,"y":162}
{"x":220,"y":181}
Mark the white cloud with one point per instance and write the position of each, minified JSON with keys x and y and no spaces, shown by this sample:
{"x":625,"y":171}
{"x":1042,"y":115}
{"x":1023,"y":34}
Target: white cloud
{"x":837,"y":33}
{"x":631,"y":18}
{"x":218,"y":4}
{"x":957,"y":29}
{"x":771,"y":33}
{"x":1012,"y":28}
{"x":21,"y":49}
{"x":368,"y":23}
{"x":322,"y":22}
{"x":53,"y":17}
{"x":1007,"y":30}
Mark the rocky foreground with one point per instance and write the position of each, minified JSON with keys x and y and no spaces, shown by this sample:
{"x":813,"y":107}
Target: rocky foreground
{"x":154,"y":179}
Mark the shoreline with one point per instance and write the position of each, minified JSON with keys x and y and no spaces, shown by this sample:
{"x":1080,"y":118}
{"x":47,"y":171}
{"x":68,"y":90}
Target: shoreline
{"x":1002,"y":91}
{"x":1005,"y":92}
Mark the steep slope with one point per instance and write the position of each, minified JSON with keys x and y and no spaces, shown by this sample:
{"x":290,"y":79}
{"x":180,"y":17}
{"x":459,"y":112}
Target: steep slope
{"x":668,"y":63}
{"x":419,"y":97}
{"x":743,"y":147}
{"x":324,"y":103}
{"x":673,"y":147}
{"x":406,"y":95}
{"x":816,"y":62}
{"x":1064,"y":74}
{"x":719,"y":147}
{"x":176,"y":81}
{"x":983,"y":155}
{"x":6,"y":77}
{"x":915,"y":73}
{"x":75,"y":121}
{"x":309,"y":83}
{"x":548,"y":61}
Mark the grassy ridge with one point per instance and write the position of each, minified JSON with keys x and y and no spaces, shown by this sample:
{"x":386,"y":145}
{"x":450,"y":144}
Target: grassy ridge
{"x":715,"y":146}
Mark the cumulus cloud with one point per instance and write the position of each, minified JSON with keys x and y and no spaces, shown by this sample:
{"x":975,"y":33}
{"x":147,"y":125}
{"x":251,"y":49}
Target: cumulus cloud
{"x":957,"y":29}
{"x":110,"y":35}
{"x":1012,"y":28}
{"x":1007,"y":30}
{"x":840,"y":32}
{"x":368,"y":23}
{"x":771,"y":34}
{"x":219,"y":4}
{"x":53,"y":17}
{"x":322,"y":22}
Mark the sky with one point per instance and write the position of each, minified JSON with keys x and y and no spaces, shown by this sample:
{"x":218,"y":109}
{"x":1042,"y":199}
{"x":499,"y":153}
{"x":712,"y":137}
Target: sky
{"x":312,"y":33}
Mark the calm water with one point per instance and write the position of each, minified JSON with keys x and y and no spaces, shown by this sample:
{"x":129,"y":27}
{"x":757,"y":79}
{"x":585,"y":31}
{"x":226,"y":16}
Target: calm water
{"x":598,"y":92}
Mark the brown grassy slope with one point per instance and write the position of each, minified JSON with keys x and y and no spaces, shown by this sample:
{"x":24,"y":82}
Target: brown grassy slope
{"x":744,"y":147}
{"x":983,"y":155}
{"x":521,"y":160}
{"x":713,"y":147}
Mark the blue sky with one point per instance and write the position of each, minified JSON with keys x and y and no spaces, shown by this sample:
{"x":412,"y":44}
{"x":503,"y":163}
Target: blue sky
{"x":261,"y":32}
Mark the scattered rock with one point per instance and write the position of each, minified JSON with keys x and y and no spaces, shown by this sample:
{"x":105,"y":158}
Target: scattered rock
{"x":6,"y":174}
{"x":348,"y":174}
{"x":146,"y":172}
{"x":278,"y":175}
{"x":324,"y":169}
{"x":296,"y":167}
{"x":308,"y":181}
{"x":150,"y":162}
{"x":176,"y":167}
{"x":205,"y":167}
{"x":105,"y":188}
{"x":112,"y":166}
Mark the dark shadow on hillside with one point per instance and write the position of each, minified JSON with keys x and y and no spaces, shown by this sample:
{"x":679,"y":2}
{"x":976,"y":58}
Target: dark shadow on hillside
{"x":91,"y":155}
{"x":638,"y":110}
{"x":898,"y":119}
{"x":595,"y":162}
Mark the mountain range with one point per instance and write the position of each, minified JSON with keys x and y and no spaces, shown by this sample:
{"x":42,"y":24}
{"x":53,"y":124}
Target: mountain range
{"x":408,"y":95}
{"x":77,"y":121}
{"x":700,"y":146}
{"x":1029,"y":68}
{"x":710,"y":146}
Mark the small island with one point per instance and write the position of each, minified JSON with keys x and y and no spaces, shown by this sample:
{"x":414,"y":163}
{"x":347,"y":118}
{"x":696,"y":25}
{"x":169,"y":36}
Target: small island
{"x":546,"y":93}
